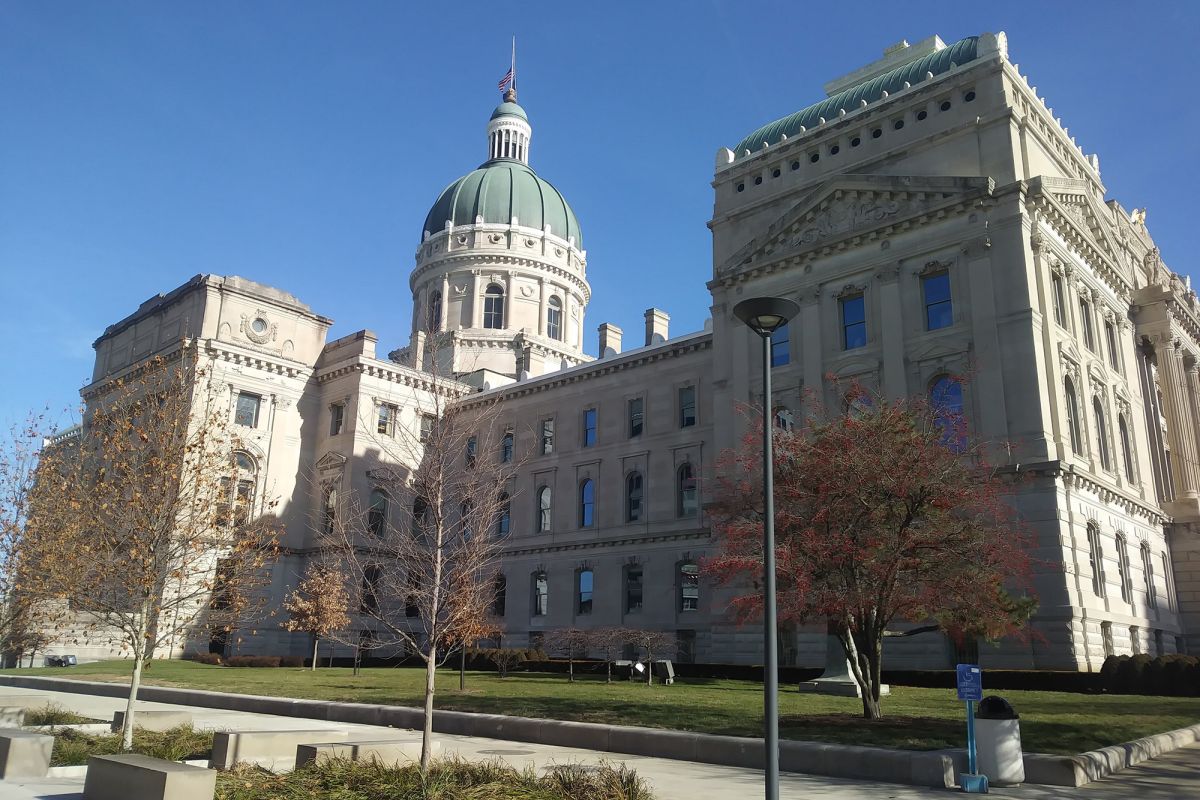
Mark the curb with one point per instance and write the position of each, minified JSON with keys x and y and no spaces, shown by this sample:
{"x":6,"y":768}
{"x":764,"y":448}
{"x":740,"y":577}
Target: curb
{"x":1095,"y":764}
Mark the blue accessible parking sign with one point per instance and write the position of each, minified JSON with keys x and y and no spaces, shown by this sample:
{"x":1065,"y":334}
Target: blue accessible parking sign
{"x":970,"y":682}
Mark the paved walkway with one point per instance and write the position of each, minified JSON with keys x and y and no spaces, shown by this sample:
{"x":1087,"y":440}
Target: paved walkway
{"x":1176,"y":775}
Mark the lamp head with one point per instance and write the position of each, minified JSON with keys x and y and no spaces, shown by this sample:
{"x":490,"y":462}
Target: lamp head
{"x":764,"y":315}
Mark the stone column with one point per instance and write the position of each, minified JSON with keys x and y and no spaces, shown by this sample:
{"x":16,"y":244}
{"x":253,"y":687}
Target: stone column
{"x":810,"y":341}
{"x":1192,"y":371}
{"x":476,"y":301}
{"x":445,"y":310}
{"x":508,"y":293}
{"x":891,"y":333}
{"x":541,"y":326}
{"x":1182,"y":430}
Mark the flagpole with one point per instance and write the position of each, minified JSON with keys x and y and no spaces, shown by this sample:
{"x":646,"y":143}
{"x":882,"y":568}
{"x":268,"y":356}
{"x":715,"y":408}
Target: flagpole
{"x":513,"y":65}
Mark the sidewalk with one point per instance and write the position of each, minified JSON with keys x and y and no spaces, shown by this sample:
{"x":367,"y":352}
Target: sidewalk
{"x":1174,"y":776}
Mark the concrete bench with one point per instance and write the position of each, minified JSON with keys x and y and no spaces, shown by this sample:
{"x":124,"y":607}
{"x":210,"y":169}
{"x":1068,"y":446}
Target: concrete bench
{"x":155,"y":720}
{"x":24,"y":754}
{"x":271,"y":749}
{"x":389,"y":753}
{"x":12,"y":716}
{"x":135,"y":777}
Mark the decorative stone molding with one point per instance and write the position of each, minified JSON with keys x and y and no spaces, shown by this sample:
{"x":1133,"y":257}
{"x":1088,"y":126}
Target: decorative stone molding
{"x":258,"y":328}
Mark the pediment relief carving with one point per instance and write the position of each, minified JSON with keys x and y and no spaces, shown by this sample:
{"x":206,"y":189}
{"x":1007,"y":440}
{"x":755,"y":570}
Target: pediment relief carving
{"x":331,"y":461}
{"x":935,"y":351}
{"x":849,"y":205}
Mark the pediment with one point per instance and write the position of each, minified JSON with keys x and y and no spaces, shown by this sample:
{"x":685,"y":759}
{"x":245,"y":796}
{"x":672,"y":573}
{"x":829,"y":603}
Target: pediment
{"x":855,"y":367}
{"x":331,"y":461}
{"x":849,"y":207}
{"x":941,"y":351}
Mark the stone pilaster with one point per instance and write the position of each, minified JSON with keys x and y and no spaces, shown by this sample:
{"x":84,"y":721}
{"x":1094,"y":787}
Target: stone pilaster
{"x":1182,"y":429}
{"x":891,"y":324}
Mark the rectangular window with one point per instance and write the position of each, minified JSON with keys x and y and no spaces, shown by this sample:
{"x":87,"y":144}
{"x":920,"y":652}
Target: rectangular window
{"x":1135,"y":640}
{"x":1114,"y":356}
{"x":541,"y":594}
{"x":1060,"y":303}
{"x":687,"y":406}
{"x":247,"y":409}
{"x":337,"y":415}
{"x":1107,"y":638}
{"x":506,"y":448}
{"x":385,"y":421}
{"x":470,"y":454}
{"x":780,"y":350}
{"x":939,"y":311}
{"x":547,"y":436}
{"x":426,"y":427}
{"x":585,"y":592}
{"x":854,"y":322}
{"x":1085,"y":319}
{"x":589,"y":427}
{"x":685,"y":647}
{"x":633,"y":589}
{"x":689,"y":587}
{"x":635,"y":417}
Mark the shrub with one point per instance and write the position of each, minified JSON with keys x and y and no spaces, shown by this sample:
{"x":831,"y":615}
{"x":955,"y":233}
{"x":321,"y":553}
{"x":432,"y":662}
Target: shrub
{"x":72,"y":748}
{"x":491,"y":780}
{"x":1108,"y":673}
{"x":212,"y":659}
{"x":252,"y":661}
{"x":54,"y":714}
{"x":291,"y":661}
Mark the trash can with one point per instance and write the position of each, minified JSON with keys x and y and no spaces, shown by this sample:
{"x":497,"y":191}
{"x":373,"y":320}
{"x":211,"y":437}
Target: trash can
{"x":998,"y":742}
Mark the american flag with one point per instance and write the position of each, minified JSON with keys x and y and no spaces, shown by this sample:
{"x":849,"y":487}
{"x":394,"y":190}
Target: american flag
{"x":506,"y":80}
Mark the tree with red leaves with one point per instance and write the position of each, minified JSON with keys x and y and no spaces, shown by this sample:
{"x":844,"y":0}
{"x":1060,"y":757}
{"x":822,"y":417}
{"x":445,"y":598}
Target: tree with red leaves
{"x":888,"y":512}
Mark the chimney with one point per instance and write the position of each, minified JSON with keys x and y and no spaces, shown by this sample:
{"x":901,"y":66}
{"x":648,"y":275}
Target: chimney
{"x":610,"y":340}
{"x":656,"y":326}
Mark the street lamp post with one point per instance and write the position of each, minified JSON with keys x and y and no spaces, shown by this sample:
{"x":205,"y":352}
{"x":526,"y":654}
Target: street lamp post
{"x":764,"y":316}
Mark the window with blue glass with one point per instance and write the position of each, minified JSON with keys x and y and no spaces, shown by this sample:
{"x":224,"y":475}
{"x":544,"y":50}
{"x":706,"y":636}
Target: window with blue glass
{"x":780,"y":352}
{"x":587,"y":504}
{"x":947,"y":398}
{"x":939,"y":311}
{"x":854,"y":322}
{"x":589,"y":427}
{"x":586,"y":583}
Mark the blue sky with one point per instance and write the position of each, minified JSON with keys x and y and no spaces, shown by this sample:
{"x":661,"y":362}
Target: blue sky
{"x":300,"y":144}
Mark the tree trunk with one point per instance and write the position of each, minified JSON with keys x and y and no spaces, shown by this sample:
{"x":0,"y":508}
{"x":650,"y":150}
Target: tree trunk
{"x":316,"y":643}
{"x":570,"y":667}
{"x":608,"y":670}
{"x":462,"y":669}
{"x":649,"y":667}
{"x":427,"y":730}
{"x":135,"y":682}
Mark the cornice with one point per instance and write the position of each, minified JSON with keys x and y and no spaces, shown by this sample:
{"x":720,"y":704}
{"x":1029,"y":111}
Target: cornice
{"x":624,"y":541}
{"x":472,"y":259}
{"x":1069,"y":475}
{"x":267,"y":362}
{"x":1078,"y":235}
{"x":393,"y":373}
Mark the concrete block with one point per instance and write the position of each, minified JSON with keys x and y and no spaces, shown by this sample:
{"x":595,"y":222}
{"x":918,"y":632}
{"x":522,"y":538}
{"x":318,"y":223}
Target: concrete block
{"x":24,"y":754}
{"x":393,"y":752}
{"x":265,"y":748}
{"x":29,"y":702}
{"x":12,"y":716}
{"x":136,"y":777}
{"x":153,"y":720}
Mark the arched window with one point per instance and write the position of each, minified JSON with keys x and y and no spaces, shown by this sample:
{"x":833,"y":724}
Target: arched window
{"x":784,"y":419}
{"x":1123,"y":569}
{"x":689,"y":586}
{"x":493,"y":306}
{"x":329,"y":511}
{"x":633,"y":497}
{"x":554,"y":319}
{"x":1126,"y":447}
{"x":1096,"y":557}
{"x":377,"y":513}
{"x":583,"y":604}
{"x":543,"y":502}
{"x":541,"y":594}
{"x":946,"y":396}
{"x":686,"y":504}
{"x":237,"y":490}
{"x":1072,"y":417}
{"x":587,"y":503}
{"x":500,"y":595}
{"x":435,"y":311}
{"x":1101,"y":432}
{"x":1148,"y":577}
{"x":504,"y":518}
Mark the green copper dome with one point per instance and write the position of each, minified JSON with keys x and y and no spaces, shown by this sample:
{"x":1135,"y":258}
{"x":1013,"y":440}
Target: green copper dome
{"x":499,"y":190}
{"x":871,"y":90}
{"x":508,"y":109}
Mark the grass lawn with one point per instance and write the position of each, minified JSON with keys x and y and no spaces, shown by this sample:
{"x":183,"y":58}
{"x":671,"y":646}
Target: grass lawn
{"x":914,"y":718}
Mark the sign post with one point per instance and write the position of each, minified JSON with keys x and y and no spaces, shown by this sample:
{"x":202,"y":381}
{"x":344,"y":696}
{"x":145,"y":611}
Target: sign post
{"x":970,"y":691}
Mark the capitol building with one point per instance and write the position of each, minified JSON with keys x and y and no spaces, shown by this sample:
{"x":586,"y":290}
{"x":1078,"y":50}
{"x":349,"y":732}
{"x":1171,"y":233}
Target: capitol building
{"x":930,"y":216}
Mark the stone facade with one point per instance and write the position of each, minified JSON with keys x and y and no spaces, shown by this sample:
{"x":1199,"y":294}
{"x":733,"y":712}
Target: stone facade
{"x":944,"y":223}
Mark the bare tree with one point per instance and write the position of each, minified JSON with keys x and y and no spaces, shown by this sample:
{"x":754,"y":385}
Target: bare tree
{"x":144,"y":525}
{"x":427,"y":583}
{"x":571,"y":642}
{"x":651,"y":642}
{"x":318,"y":605}
{"x":609,"y":643}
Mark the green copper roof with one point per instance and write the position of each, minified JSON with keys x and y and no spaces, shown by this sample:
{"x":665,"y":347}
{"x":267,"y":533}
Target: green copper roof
{"x":507,"y":109}
{"x":891,"y":82}
{"x":500,"y":190}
